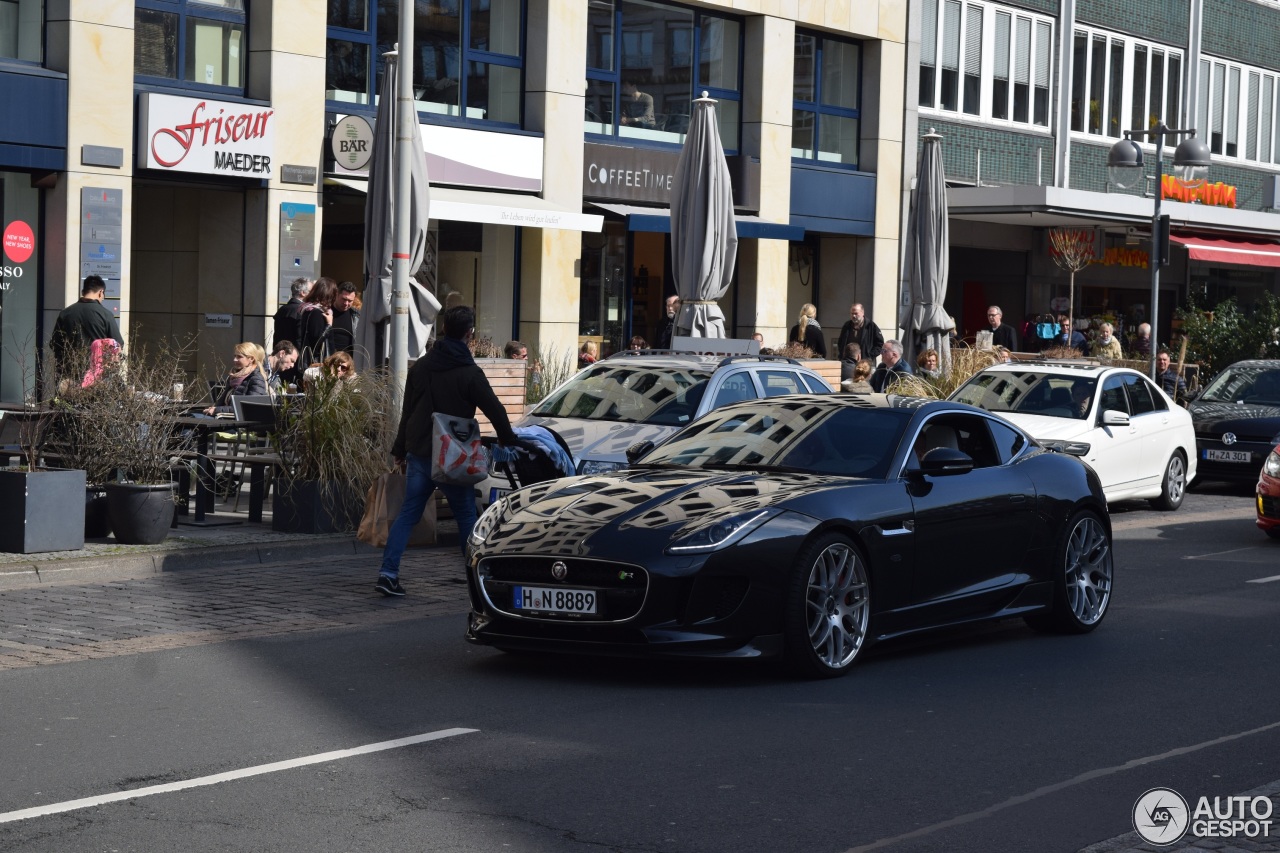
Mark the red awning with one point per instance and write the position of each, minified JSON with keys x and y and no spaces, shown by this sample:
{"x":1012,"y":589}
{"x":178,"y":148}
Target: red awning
{"x":1249,"y":253}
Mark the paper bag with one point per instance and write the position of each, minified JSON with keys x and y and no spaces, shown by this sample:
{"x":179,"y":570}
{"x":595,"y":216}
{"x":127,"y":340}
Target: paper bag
{"x":381,"y":507}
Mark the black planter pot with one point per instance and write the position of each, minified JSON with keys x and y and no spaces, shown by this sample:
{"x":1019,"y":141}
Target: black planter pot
{"x":140,"y":513}
{"x":307,"y":507}
{"x":96,"y":523}
{"x":34,"y":507}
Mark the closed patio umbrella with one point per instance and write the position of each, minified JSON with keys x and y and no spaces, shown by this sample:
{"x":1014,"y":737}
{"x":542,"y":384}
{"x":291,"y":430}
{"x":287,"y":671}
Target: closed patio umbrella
{"x":924,"y":321}
{"x":704,"y":236}
{"x":379,"y":230}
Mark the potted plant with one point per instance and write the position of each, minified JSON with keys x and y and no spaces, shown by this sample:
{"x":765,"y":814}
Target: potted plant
{"x":127,"y":422}
{"x":333,"y":441}
{"x":38,"y":503}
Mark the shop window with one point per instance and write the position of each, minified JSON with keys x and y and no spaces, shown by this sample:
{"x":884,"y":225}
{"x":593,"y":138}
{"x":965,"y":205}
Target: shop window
{"x":986,"y":61}
{"x":826,"y":100}
{"x":1107,"y":102}
{"x":199,"y":42}
{"x":468,"y":57}
{"x":647,"y":61}
{"x":22,"y":30}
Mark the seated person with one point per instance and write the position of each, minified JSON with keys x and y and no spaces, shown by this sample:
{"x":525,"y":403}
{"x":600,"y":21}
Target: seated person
{"x":589,"y":354}
{"x":1081,"y":399}
{"x":635,"y":107}
{"x":248,"y":377}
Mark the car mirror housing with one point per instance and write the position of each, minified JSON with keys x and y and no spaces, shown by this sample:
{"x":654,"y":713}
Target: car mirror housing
{"x":1111,"y":417}
{"x":639,"y":449}
{"x":945,"y":462}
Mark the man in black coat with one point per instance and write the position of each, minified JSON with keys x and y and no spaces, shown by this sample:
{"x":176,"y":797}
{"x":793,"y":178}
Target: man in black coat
{"x":892,"y":366}
{"x":668,"y":326}
{"x":861,"y":331}
{"x":447,"y":380}
{"x":289,"y":315}
{"x":81,"y":323}
{"x":1001,"y":335}
{"x":346,"y":320}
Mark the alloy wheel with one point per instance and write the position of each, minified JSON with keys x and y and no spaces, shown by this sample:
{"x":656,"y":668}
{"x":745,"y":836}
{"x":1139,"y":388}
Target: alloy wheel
{"x":1088,"y":570}
{"x":1176,"y":480}
{"x":837,"y":605}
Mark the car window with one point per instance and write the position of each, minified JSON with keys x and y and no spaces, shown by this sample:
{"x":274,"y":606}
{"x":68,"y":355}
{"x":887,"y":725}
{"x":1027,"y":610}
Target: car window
{"x":1113,"y":396}
{"x":734,"y":389}
{"x":1248,"y":384}
{"x":816,"y":384}
{"x":967,"y":433}
{"x":628,"y":393}
{"x":1140,"y":401}
{"x":1008,"y":441}
{"x":779,"y":382}
{"x":1029,"y":392}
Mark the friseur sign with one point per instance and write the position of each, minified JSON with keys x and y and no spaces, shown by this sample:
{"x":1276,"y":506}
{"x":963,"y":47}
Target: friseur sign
{"x":620,"y":173}
{"x":204,"y":136}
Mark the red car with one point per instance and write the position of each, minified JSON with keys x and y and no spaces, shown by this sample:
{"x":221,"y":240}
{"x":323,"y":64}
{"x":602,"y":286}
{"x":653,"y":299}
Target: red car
{"x":1269,"y":495}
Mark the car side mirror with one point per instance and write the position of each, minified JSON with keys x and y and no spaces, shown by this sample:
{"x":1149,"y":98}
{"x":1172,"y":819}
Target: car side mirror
{"x":639,"y":449}
{"x":945,"y":462}
{"x":1112,"y":417}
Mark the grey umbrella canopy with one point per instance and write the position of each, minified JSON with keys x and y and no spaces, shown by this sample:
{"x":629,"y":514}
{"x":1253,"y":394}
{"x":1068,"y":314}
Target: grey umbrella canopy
{"x":704,"y":236}
{"x":924,"y":320}
{"x":379,"y":230}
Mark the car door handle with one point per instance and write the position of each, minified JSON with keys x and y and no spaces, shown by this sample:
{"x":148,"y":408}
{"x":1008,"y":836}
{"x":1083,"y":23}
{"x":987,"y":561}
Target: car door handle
{"x":906,"y":528}
{"x":1017,"y":499}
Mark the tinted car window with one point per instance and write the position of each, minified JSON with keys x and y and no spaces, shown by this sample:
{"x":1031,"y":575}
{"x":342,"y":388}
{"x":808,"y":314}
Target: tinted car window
{"x":1113,"y":396}
{"x":667,"y":396}
{"x":1009,"y":442}
{"x":788,"y":435}
{"x":734,"y":389}
{"x":1140,"y":400}
{"x":816,"y":385}
{"x":1029,"y":392}
{"x":779,"y":382}
{"x":1251,"y":384}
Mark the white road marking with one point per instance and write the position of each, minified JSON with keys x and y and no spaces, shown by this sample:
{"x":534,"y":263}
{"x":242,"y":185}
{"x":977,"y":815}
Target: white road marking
{"x":1219,"y":553}
{"x":230,"y":775}
{"x":1088,"y":776}
{"x":1265,"y":580}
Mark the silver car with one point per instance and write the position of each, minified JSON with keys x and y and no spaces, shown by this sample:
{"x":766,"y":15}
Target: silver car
{"x":628,"y":398}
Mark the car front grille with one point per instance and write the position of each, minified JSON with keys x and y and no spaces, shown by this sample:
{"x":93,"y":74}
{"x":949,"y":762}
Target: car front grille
{"x":620,"y":588}
{"x":1269,"y":506}
{"x":1214,"y":439}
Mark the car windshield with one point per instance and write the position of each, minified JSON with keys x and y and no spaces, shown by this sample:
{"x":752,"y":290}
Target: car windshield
{"x":629,"y":393}
{"x":788,"y":435}
{"x":1029,"y":392}
{"x":1236,"y":384}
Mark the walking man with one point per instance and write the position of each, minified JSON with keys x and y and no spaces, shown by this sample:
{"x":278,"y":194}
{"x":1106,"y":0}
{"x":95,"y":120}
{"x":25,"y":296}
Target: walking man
{"x":83,"y":322}
{"x":445,"y":380}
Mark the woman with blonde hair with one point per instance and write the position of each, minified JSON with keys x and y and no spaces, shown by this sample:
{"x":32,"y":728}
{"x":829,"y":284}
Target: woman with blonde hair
{"x":808,"y":332}
{"x":247,"y":377}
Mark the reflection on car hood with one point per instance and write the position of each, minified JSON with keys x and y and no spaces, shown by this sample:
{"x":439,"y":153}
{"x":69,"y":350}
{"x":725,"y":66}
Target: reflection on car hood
{"x":563,"y":516}
{"x":602,"y":440}
{"x":1215,"y":417}
{"x":1046,"y":426}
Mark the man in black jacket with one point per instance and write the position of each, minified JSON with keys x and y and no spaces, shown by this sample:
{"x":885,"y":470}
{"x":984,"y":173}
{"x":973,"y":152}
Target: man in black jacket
{"x":861,"y":331}
{"x":448,"y":380}
{"x":290,"y":313}
{"x":1001,"y":335}
{"x":83,"y":322}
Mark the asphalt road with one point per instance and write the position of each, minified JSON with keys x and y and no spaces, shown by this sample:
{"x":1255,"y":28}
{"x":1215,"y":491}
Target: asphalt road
{"x":992,"y":740}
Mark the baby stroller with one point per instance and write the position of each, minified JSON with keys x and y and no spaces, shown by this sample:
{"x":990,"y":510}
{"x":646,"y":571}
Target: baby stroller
{"x":545,"y":457}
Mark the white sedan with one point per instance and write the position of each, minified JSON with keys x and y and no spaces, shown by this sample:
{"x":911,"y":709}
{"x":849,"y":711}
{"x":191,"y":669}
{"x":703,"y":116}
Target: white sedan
{"x":1140,"y":442}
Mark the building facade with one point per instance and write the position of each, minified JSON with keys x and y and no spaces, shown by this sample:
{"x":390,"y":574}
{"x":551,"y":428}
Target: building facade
{"x":1031,"y":95}
{"x":200,"y":154}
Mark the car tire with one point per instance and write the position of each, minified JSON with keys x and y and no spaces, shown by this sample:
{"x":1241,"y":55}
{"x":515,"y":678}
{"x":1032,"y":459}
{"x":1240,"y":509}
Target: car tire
{"x":1083,"y":569}
{"x":1273,"y":532}
{"x":1173,"y":484}
{"x":828,"y":608}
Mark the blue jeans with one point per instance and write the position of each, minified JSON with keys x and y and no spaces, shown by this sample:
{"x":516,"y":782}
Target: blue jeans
{"x":418,"y":490}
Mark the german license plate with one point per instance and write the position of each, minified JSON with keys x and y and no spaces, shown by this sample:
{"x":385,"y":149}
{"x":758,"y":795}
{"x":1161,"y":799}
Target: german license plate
{"x":555,"y":599}
{"x":1227,"y":455}
{"x":495,"y":494}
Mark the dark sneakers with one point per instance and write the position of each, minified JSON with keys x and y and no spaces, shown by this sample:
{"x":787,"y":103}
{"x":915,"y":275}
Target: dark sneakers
{"x":389,"y":586}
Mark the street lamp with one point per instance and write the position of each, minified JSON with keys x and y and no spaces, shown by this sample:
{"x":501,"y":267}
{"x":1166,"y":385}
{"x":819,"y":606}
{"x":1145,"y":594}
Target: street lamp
{"x":1125,"y":169}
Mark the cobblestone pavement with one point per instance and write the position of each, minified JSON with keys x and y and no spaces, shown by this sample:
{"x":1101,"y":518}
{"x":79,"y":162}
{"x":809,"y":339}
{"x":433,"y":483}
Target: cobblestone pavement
{"x":94,"y":612}
{"x":1131,"y":842}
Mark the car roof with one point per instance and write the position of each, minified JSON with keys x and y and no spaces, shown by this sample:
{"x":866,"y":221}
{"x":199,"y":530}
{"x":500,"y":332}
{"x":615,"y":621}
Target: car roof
{"x":1265,"y":363}
{"x":1060,"y":367}
{"x":870,"y":401}
{"x":677,"y":359}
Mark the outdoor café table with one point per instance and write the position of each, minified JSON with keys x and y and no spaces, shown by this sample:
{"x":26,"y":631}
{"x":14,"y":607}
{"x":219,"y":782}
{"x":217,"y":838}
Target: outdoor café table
{"x":204,"y":429}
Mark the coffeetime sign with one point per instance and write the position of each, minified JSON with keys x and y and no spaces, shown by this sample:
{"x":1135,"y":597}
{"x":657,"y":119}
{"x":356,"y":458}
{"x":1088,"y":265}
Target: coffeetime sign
{"x":205,"y":136}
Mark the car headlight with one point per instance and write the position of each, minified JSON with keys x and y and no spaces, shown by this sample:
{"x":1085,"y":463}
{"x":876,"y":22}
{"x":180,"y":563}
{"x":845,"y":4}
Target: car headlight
{"x":1071,"y":448}
{"x":722,"y":533}
{"x":1272,"y":466}
{"x":486,"y":523}
{"x":597,"y":466}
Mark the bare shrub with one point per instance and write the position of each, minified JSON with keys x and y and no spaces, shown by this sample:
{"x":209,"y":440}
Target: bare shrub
{"x":796,"y":350}
{"x":964,"y":363}
{"x":549,"y":368}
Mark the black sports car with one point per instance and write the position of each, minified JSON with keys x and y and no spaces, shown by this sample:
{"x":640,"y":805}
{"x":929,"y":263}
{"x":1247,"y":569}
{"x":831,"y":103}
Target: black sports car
{"x":803,"y":526}
{"x":1237,"y":421}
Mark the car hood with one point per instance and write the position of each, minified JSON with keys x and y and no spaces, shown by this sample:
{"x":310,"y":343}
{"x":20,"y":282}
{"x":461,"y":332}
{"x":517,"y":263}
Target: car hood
{"x":1047,"y":427}
{"x":1247,"y":418}
{"x":637,"y":509}
{"x":602,"y":440}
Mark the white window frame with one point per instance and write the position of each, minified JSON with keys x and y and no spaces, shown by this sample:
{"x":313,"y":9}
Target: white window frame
{"x":1113,"y":131}
{"x":1039,"y":68}
{"x":1254,"y":129}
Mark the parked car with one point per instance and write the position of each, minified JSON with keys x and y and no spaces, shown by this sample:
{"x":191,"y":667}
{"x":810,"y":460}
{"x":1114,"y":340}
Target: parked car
{"x":630,"y":397}
{"x":1138,"y":440}
{"x":1269,"y":494}
{"x":1237,"y":420}
{"x":807,"y":527}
